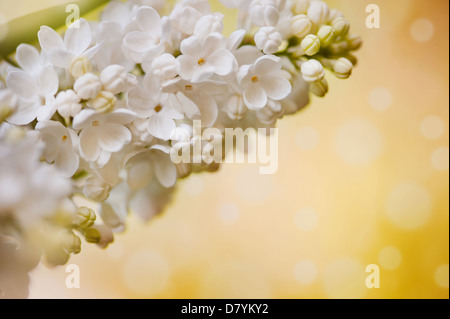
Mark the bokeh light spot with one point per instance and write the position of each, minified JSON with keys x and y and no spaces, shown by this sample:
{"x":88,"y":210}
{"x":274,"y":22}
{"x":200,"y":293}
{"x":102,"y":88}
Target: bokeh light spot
{"x":146,"y":273}
{"x":422,"y":30}
{"x":440,"y":159}
{"x":345,"y":278}
{"x":305,"y":272}
{"x":390,"y":258}
{"x":409,"y":206}
{"x":358,"y":142}
{"x":380,"y":99}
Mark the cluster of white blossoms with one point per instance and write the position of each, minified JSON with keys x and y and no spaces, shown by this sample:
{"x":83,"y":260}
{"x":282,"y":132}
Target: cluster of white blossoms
{"x":96,"y":112}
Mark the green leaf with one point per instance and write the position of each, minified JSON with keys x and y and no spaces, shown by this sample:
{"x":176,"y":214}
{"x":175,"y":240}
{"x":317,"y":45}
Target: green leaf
{"x":25,"y":29}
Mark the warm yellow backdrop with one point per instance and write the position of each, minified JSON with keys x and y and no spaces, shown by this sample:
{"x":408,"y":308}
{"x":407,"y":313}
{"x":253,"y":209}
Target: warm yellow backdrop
{"x":363,"y":179}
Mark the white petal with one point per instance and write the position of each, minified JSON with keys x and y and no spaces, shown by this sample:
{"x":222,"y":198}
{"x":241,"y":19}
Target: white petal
{"x":208,"y":108}
{"x":235,"y":39}
{"x":22,"y":84}
{"x":78,"y":37}
{"x":222,"y":61}
{"x":89,"y":147}
{"x":138,"y":43}
{"x":48,"y":82}
{"x":254,"y":97}
{"x":161,"y":126}
{"x":27,"y":56}
{"x":46,"y":111}
{"x":49,"y":39}
{"x":149,"y":20}
{"x":67,"y":162}
{"x":189,"y":107}
{"x":112,"y":137}
{"x":165,"y":171}
{"x":121,"y":116}
{"x":61,"y":58}
{"x":25,"y":113}
{"x":140,"y":102}
{"x":190,"y":47}
{"x":187,"y":66}
{"x":213,"y":42}
{"x":267,"y":64}
{"x":84,"y":118}
{"x":139,"y":175}
{"x":277,"y":87}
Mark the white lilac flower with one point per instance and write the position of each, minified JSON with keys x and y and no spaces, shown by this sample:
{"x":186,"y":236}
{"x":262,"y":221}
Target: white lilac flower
{"x":30,"y":59}
{"x":29,"y":189}
{"x":72,"y":54}
{"x":264,"y":13}
{"x":202,"y":58}
{"x":186,"y":14}
{"x":36,"y":95}
{"x":142,"y":165}
{"x":148,"y":42}
{"x":60,"y":144}
{"x":88,"y":86}
{"x":102,"y":134}
{"x":262,"y":80}
{"x":116,"y":79}
{"x":318,"y":12}
{"x":150,"y":103}
{"x":165,"y":67}
{"x":268,"y":39}
{"x":312,"y":70}
{"x":68,"y":103}
{"x":208,"y":24}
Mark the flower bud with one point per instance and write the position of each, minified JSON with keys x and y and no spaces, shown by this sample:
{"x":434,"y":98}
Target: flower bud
{"x":270,"y":113}
{"x":68,"y":103}
{"x":235,"y":108}
{"x":85,"y":217}
{"x":354,"y":42}
{"x":310,"y":44}
{"x":208,"y":24}
{"x":301,"y":25}
{"x":92,"y":235}
{"x":319,"y":88}
{"x":87,"y":86}
{"x":334,"y":14}
{"x":268,"y":40}
{"x":340,"y":26}
{"x":183,"y":170}
{"x":115,"y":79}
{"x":72,"y":244}
{"x":318,"y":12}
{"x":104,"y":102}
{"x":326,"y":35}
{"x":96,"y":189}
{"x":80,"y":67}
{"x":343,"y":68}
{"x":312,"y":71}
{"x":264,"y":13}
{"x":165,"y":67}
{"x":106,"y":236}
{"x":300,"y":6}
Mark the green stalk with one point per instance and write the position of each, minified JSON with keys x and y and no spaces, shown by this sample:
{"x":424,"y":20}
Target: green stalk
{"x":24,"y":29}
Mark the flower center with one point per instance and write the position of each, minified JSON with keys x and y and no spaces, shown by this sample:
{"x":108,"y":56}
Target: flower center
{"x":64,"y":138}
{"x":95,"y":123}
{"x":201,"y":61}
{"x":188,"y":87}
{"x":158,"y":108}
{"x":255,"y":79}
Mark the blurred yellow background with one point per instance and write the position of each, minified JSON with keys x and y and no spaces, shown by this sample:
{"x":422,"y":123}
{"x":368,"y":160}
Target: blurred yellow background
{"x":363,"y":179}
